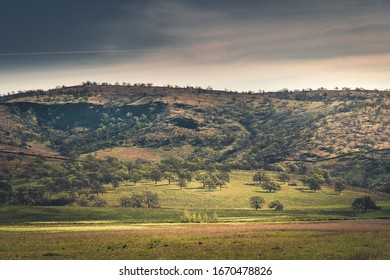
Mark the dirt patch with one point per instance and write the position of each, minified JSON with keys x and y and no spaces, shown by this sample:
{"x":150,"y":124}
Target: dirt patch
{"x":342,"y":226}
{"x":130,"y":153}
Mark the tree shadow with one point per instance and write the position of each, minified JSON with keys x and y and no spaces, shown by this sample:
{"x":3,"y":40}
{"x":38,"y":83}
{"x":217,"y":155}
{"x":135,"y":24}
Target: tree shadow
{"x":264,"y":191}
{"x":305,"y":190}
{"x":251,"y":184}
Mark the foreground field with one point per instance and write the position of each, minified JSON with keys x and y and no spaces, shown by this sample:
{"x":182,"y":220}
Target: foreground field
{"x":368,"y":239}
{"x":313,"y":225}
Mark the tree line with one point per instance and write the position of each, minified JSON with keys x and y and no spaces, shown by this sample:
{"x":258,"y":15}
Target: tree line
{"x":84,"y":181}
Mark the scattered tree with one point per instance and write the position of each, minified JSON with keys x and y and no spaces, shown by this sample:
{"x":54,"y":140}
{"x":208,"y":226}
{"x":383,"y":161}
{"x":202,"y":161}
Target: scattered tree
{"x":125,"y":201}
{"x":203,"y":177}
{"x":169,"y":176}
{"x":115,"y":183}
{"x":136,"y":200}
{"x":222,"y":179}
{"x":292,"y":168}
{"x":364,"y":203}
{"x":277,"y":205}
{"x":182,"y":183}
{"x":29,"y":195}
{"x":284,"y":177}
{"x":135,"y":176}
{"x":260,"y":176}
{"x":151,"y":199}
{"x":256,"y":202}
{"x":211,"y":183}
{"x":97,"y":187}
{"x":156,"y":175}
{"x":5,"y":192}
{"x":339,"y":186}
{"x":270,"y":186}
{"x":314,"y":181}
{"x":185,"y":175}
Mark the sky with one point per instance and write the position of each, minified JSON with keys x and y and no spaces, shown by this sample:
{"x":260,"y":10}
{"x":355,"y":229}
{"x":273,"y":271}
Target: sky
{"x":226,"y":44}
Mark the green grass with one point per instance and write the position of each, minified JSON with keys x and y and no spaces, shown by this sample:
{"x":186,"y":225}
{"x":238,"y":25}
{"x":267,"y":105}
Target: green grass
{"x":229,"y":204}
{"x":228,"y":245}
{"x":16,"y":215}
{"x":113,"y":232}
{"x":236,"y":194}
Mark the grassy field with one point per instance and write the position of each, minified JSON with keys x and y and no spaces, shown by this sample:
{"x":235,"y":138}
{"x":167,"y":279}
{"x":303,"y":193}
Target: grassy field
{"x":113,"y":232}
{"x":236,"y":241}
{"x":236,"y":194}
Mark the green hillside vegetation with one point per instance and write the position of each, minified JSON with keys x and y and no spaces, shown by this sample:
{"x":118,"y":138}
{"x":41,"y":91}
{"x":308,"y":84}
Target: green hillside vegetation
{"x":209,"y":190}
{"x":242,"y":130}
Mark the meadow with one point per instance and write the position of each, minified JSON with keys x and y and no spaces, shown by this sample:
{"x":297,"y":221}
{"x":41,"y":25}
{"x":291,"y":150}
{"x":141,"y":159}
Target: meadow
{"x":232,"y":229}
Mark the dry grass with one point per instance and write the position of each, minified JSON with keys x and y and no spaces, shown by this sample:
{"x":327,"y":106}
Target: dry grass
{"x":130,"y":153}
{"x":204,"y":242}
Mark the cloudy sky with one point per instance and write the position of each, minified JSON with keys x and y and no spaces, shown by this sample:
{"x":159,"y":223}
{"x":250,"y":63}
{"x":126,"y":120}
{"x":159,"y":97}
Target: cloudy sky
{"x":233,"y":44}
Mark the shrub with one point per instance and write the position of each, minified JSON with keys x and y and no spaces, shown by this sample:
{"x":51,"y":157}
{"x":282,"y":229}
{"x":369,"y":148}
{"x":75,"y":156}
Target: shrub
{"x":29,"y":196}
{"x":100,"y":203}
{"x":196,"y":217}
{"x":339,"y":186}
{"x":256,"y":202}
{"x":62,"y":200}
{"x":276,"y":205}
{"x":5,"y":192}
{"x":151,"y":200}
{"x":364,"y":203}
{"x":125,"y":201}
{"x":136,"y":200}
{"x":83,"y":202}
{"x":292,"y":168}
{"x":270,"y":186}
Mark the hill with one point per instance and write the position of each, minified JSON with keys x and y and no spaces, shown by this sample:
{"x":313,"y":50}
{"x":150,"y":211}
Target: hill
{"x":346,"y":131}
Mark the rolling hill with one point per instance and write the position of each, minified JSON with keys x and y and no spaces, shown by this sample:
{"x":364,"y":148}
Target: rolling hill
{"x":346,"y":131}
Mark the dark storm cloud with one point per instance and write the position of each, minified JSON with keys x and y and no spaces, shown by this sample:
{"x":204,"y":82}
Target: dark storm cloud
{"x":60,"y":25}
{"x":45,"y":26}
{"x":212,"y":31}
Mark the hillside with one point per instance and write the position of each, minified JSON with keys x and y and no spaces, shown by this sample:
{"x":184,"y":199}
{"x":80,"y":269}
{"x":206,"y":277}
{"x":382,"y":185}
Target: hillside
{"x":345,"y":131}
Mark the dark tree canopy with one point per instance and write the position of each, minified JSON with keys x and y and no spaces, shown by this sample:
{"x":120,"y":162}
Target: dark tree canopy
{"x":364,"y":203}
{"x":260,"y":176}
{"x":314,"y":181}
{"x":277,"y":205}
{"x":270,"y":186}
{"x":339,"y":186}
{"x":256,"y":202}
{"x":5,"y":192}
{"x":151,"y":200}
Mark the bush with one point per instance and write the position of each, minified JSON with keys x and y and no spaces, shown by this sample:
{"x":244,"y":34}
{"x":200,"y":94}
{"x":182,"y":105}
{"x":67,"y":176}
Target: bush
{"x":196,"y":217}
{"x":364,"y":203}
{"x":29,"y":196}
{"x":270,"y":186}
{"x":136,"y":200}
{"x":59,"y":201}
{"x":256,"y":202}
{"x":5,"y":192}
{"x":125,"y":201}
{"x":339,"y":186}
{"x":292,"y":168}
{"x":151,"y":200}
{"x":276,"y":205}
{"x":83,"y":202}
{"x":100,"y":203}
